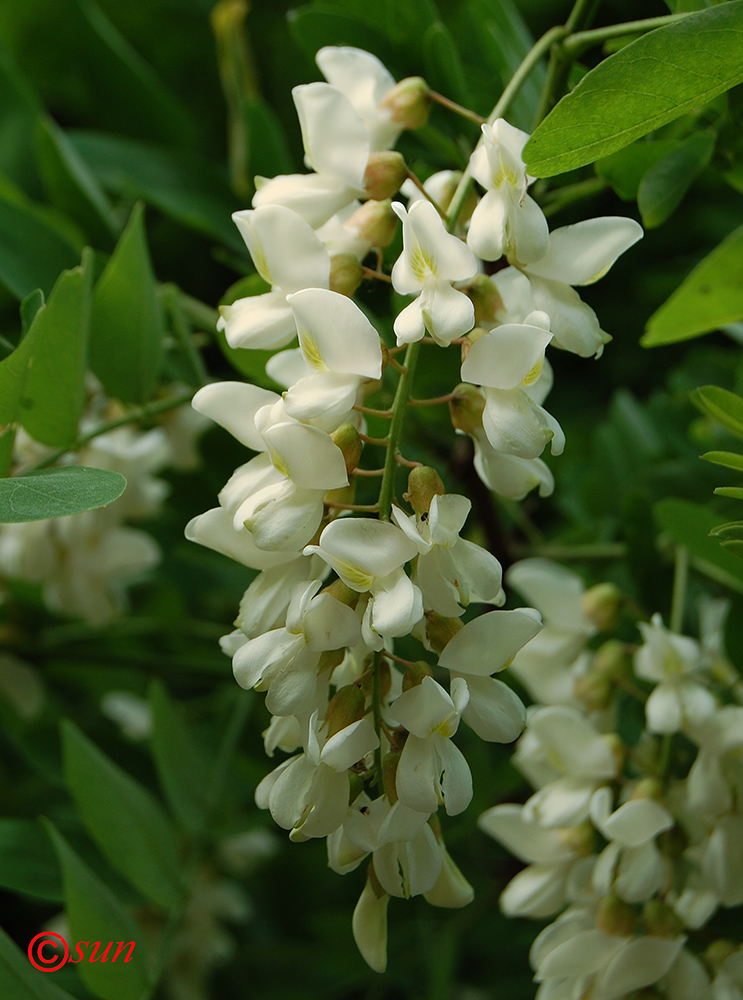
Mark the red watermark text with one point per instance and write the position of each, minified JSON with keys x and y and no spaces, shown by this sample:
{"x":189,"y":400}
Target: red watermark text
{"x":58,"y":951}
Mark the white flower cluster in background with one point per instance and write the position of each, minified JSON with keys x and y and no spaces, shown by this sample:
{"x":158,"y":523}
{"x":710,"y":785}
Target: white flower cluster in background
{"x":635,"y":850}
{"x":84,"y":561}
{"x":372,"y":735}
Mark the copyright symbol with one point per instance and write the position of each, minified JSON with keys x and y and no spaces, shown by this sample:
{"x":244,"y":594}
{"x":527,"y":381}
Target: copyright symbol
{"x":41,"y":961}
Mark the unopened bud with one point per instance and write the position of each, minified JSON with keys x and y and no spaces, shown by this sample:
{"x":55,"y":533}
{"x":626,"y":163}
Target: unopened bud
{"x":345,"y":274}
{"x":718,"y":952}
{"x":343,"y":495}
{"x":601,"y":605}
{"x":648,"y":788}
{"x":345,"y":707}
{"x":470,"y":339}
{"x":385,"y":681}
{"x":580,"y":839}
{"x":424,"y":483}
{"x":612,"y":660}
{"x":615,"y":917}
{"x":375,"y":222}
{"x":440,"y":630}
{"x":389,"y":774}
{"x":594,"y":690}
{"x":414,"y":674}
{"x":485,"y":298}
{"x":409,"y":101}
{"x":342,"y":593}
{"x":369,"y":923}
{"x":467,"y":408}
{"x":384,"y":175}
{"x":452,"y":890}
{"x":659,"y":920}
{"x":330,"y":659}
{"x":618,"y":749}
{"x":346,"y":437}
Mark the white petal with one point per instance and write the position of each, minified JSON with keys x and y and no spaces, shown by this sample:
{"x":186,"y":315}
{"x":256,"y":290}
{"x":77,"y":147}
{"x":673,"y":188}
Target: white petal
{"x":447,"y":313}
{"x":640,"y":963}
{"x":515,"y":424}
{"x":509,"y":475}
{"x":289,"y":521}
{"x":637,"y":822}
{"x":528,"y":841}
{"x":575,"y":326}
{"x":409,"y":868}
{"x":537,"y":891}
{"x":528,"y":231}
{"x":417,"y":775}
{"x":334,"y":333}
{"x":486,"y":644}
{"x":455,"y":777}
{"x":364,"y":546}
{"x":316,"y":197}
{"x":321,"y":394}
{"x":423,"y":708}
{"x":349,"y":745}
{"x":554,"y":590}
{"x":478,"y":572}
{"x":329,"y":624}
{"x":334,"y":136}
{"x":409,"y":326}
{"x":583,"y":253}
{"x":306,"y":455}
{"x":369,"y":925}
{"x":504,"y":357}
{"x":214,"y":530}
{"x":397,"y":604}
{"x":495,"y":712}
{"x":285,"y":250}
{"x":487,"y":231}
{"x":258,"y":322}
{"x":233,"y":405}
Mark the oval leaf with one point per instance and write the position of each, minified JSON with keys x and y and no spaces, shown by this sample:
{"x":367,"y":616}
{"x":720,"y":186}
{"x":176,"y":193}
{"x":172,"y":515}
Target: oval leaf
{"x":664,"y":185}
{"x":710,"y":297}
{"x":720,"y":404}
{"x":727,"y":458}
{"x":690,"y":525}
{"x":182,"y":772}
{"x":57,"y":493}
{"x":648,"y":83}
{"x":18,"y":978}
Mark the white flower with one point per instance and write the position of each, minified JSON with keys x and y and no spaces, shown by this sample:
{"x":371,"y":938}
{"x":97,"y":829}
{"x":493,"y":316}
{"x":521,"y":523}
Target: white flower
{"x":506,"y":220}
{"x":509,"y":475}
{"x":369,"y":926}
{"x":365,"y":81}
{"x":289,"y":256}
{"x":430,"y":261}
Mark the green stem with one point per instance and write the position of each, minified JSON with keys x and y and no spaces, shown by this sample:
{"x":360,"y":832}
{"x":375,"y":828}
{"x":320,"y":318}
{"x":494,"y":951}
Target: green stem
{"x":561,"y":60}
{"x":377,"y":710}
{"x":680,"y":579}
{"x":517,"y":81}
{"x":664,"y":758}
{"x":582,"y":40}
{"x":199,"y":313}
{"x":171,"y":296}
{"x":564,"y":197}
{"x":133,"y":416}
{"x":599,"y":550}
{"x":399,"y":406}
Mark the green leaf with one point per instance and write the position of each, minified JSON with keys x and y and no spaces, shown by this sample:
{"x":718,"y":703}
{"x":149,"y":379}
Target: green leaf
{"x":19,"y":110}
{"x":182,"y":772}
{"x":624,"y":169}
{"x":666,"y":182}
{"x":29,"y":307}
{"x":126,"y":335}
{"x":268,"y":153}
{"x":57,"y":493}
{"x":70,"y":184}
{"x":720,"y":404}
{"x":27,"y":862}
{"x":406,"y":23}
{"x":33,"y":250}
{"x":19,"y":980}
{"x":123,"y":818}
{"x":710,"y":297}
{"x":42,"y":381}
{"x":95,"y":914}
{"x":731,"y":531}
{"x":733,"y":545}
{"x":184,"y":186}
{"x":444,"y":69}
{"x":322,"y":24}
{"x":690,"y":525}
{"x":650,"y":82}
{"x":7,"y":441}
{"x":727,"y":458}
{"x":734,"y":492}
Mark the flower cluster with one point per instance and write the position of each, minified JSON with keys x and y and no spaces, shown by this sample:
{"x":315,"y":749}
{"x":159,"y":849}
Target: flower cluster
{"x":372,"y":733}
{"x":637,"y":849}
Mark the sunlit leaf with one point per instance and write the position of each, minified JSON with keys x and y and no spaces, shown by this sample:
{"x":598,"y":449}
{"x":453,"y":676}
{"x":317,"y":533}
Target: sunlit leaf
{"x":650,"y":82}
{"x":727,"y":458}
{"x":710,"y":297}
{"x":123,"y":818}
{"x":57,"y":493}
{"x":723,"y":406}
{"x":734,"y":492}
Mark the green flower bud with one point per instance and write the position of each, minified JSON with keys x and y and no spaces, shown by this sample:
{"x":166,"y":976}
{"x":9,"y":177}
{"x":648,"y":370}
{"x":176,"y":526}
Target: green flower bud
{"x":659,"y":920}
{"x":594,"y":690}
{"x":601,"y":604}
{"x":384,"y":175}
{"x":376,"y":222}
{"x":409,"y":101}
{"x":485,"y":298}
{"x":389,"y":774}
{"x":414,"y":674}
{"x":615,"y":917}
{"x":467,"y":408}
{"x":717,"y":952}
{"x":346,"y":437}
{"x":440,"y":630}
{"x":424,"y":483}
{"x":345,"y":274}
{"x":612,"y":660}
{"x":345,"y":707}
{"x":342,"y":593}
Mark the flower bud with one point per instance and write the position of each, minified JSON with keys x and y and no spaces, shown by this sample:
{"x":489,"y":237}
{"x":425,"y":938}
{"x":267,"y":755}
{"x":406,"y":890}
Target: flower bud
{"x":345,"y":707}
{"x":615,"y":917}
{"x":345,"y":274}
{"x":612,"y":660}
{"x":384,"y":175}
{"x":451,"y":889}
{"x":467,"y":408}
{"x":601,"y":605}
{"x":369,"y":923}
{"x":415,"y":673}
{"x":617,"y":748}
{"x":593,"y":690}
{"x":376,"y":222}
{"x":409,"y":101}
{"x":389,"y":774}
{"x":345,"y":494}
{"x":440,"y":630}
{"x":718,"y":952}
{"x":469,"y":340}
{"x":659,"y":920}
{"x":424,"y":483}
{"x":580,"y":839}
{"x":385,"y":681}
{"x":648,"y":788}
{"x":346,"y":437}
{"x":342,"y":593}
{"x":485,"y":298}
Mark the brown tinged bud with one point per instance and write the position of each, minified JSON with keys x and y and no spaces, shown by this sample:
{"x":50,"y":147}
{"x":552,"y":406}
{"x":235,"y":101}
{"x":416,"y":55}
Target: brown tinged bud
{"x":409,"y":101}
{"x":376,"y":222}
{"x":345,"y":274}
{"x":581,"y":839}
{"x":346,"y":437}
{"x":612,"y":660}
{"x":470,"y":339}
{"x":659,"y":920}
{"x":385,"y":681}
{"x":593,"y":690}
{"x":440,"y":630}
{"x":346,"y":707}
{"x":485,"y":298}
{"x":615,"y":917}
{"x":601,"y":605}
{"x":385,"y":174}
{"x":424,"y":483}
{"x":415,"y":673}
{"x":467,"y":408}
{"x":389,"y":774}
{"x":648,"y":788}
{"x":342,"y":593}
